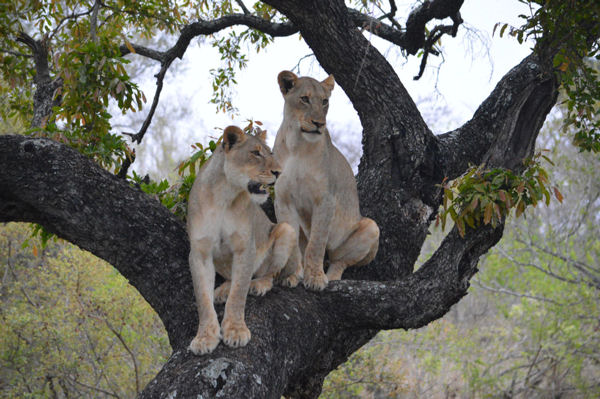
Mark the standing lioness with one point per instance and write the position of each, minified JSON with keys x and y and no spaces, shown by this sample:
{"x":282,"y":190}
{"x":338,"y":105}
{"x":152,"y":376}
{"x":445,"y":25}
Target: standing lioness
{"x":230,"y":234}
{"x":316,"y":192}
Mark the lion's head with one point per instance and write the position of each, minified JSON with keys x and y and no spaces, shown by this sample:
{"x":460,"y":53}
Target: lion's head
{"x":249,"y":162}
{"x":306,"y":102}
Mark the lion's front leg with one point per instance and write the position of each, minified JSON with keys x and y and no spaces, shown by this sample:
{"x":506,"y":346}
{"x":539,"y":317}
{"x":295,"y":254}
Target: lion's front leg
{"x":234,"y":329}
{"x":314,"y":276}
{"x":203,"y":276}
{"x":286,"y":251}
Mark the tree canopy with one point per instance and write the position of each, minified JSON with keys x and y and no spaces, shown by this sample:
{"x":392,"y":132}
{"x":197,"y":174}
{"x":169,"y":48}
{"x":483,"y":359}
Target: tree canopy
{"x":64,"y":66}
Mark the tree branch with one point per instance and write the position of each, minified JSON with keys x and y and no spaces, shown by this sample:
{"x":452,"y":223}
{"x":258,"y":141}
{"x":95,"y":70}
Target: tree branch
{"x":16,"y":53}
{"x":84,"y":204}
{"x":143,"y":51}
{"x":201,"y":27}
{"x":390,"y":15}
{"x":43,"y":99}
{"x":418,"y":18}
{"x":504,"y":128}
{"x":414,"y":37}
{"x":243,"y":7}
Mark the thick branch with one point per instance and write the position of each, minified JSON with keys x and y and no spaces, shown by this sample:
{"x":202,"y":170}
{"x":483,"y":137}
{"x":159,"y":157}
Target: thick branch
{"x":504,"y":128}
{"x":51,"y":184}
{"x":204,"y":27}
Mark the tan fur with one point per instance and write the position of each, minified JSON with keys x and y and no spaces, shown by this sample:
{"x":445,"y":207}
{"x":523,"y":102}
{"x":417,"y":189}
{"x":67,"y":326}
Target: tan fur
{"x":317,"y":193}
{"x":231,"y":235}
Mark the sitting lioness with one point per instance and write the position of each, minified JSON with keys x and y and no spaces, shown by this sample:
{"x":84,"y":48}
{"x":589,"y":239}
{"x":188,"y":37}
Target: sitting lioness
{"x":316,"y":192}
{"x":230,"y":234}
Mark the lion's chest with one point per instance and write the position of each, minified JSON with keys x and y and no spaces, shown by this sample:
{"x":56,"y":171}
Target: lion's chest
{"x":302,"y":187}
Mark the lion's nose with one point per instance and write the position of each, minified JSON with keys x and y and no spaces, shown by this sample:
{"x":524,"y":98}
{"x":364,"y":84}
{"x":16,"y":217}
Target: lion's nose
{"x":276,"y":173}
{"x":318,"y":124}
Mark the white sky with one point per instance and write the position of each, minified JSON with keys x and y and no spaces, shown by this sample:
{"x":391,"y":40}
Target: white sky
{"x":447,"y":96}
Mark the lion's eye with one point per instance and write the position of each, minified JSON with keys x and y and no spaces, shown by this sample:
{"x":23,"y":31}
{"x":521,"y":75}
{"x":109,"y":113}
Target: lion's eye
{"x":305,"y":99}
{"x":325,"y":102}
{"x":255,"y":152}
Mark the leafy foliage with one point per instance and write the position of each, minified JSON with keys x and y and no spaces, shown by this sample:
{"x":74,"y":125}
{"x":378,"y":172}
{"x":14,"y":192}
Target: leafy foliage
{"x":175,"y":196}
{"x":84,"y":56}
{"x":84,"y":43}
{"x":487,"y":196}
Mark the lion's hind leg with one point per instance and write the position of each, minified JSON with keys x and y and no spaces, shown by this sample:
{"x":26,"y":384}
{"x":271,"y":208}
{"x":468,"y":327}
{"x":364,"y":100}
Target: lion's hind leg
{"x":359,"y":249}
{"x":283,"y":261}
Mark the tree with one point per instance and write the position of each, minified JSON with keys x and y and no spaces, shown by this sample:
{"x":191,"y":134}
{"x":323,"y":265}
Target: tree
{"x":76,"y":59}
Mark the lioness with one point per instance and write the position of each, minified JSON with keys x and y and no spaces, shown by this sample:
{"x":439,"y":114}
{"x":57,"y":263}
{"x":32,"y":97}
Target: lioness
{"x":316,"y":192}
{"x":230,"y":234}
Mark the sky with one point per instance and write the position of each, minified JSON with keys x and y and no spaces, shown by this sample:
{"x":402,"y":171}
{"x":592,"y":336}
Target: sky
{"x":447,"y":94}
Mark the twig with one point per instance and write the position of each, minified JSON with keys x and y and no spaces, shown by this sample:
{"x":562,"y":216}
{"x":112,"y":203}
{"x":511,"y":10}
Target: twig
{"x":587,"y":270}
{"x":297,"y":67}
{"x":129,"y":351}
{"x":516,"y":294}
{"x":137,"y":137}
{"x":15,"y":53}
{"x":16,"y":278}
{"x":541,"y":269}
{"x":390,"y":15}
{"x":72,"y":380}
{"x":125,"y":166}
{"x":428,"y":47}
{"x":72,"y":16}
{"x":243,"y":6}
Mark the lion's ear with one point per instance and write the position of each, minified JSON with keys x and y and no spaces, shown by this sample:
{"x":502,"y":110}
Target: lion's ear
{"x":261,"y":134}
{"x":329,"y":83}
{"x":287,"y":80}
{"x":232,"y":135}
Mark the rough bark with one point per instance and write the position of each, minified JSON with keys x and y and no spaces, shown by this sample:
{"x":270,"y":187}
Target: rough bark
{"x":43,"y":99}
{"x":298,"y":336}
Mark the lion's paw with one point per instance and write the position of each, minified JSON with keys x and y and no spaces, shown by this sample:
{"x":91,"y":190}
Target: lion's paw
{"x":261,"y":286}
{"x":315,"y":281}
{"x":222,"y":292}
{"x":205,"y":340}
{"x":235,"y":334}
{"x":291,"y":281}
